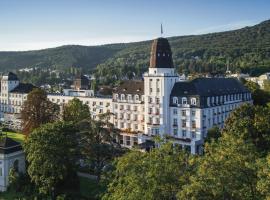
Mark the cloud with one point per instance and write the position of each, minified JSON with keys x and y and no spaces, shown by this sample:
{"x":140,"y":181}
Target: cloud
{"x":225,"y":27}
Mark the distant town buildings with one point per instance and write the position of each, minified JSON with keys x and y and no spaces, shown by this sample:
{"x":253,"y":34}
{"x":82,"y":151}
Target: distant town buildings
{"x":260,"y":80}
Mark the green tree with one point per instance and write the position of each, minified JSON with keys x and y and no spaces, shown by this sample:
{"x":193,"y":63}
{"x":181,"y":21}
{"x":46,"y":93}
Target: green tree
{"x":213,"y":134}
{"x":98,"y":144}
{"x":260,"y":97}
{"x":37,"y":110}
{"x":263,"y":184}
{"x":251,"y":123}
{"x":51,"y":152}
{"x":226,"y":171}
{"x":75,"y":111}
{"x":159,"y":174}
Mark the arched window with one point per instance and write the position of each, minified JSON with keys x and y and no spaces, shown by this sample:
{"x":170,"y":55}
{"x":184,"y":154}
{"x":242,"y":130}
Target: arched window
{"x":193,"y":101}
{"x":175,"y":100}
{"x":116,"y":96}
{"x":122,"y":97}
{"x":184,"y":100}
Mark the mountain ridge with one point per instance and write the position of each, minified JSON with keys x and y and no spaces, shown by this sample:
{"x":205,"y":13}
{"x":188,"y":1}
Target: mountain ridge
{"x":245,"y":49}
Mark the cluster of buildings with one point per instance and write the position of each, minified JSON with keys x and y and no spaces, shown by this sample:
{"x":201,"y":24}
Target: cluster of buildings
{"x":161,"y":104}
{"x":261,"y":80}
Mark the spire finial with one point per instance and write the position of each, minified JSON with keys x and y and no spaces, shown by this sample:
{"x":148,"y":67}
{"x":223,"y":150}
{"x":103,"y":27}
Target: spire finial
{"x":161,"y":29}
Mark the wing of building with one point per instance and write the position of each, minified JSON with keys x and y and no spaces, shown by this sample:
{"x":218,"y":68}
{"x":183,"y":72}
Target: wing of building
{"x":161,"y":104}
{"x":12,"y":95}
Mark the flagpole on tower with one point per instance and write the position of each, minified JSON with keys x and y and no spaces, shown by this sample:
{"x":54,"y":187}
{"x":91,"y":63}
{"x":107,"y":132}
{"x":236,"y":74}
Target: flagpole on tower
{"x":161,"y":29}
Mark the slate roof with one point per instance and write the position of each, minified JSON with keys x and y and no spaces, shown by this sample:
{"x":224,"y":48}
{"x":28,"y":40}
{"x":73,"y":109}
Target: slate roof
{"x":11,"y":76}
{"x":208,"y":87}
{"x":23,"y":88}
{"x":8,"y":145}
{"x":161,"y":54}
{"x":130,"y":87}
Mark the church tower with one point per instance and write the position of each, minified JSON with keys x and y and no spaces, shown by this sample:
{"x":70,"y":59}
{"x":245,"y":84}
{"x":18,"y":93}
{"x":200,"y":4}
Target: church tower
{"x":158,"y":83}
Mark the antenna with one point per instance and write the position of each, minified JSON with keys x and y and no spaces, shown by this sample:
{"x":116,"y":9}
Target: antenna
{"x":161,"y":29}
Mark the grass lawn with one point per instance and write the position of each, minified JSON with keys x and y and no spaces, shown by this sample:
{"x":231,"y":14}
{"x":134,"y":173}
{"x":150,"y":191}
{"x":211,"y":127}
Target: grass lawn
{"x":15,"y":136}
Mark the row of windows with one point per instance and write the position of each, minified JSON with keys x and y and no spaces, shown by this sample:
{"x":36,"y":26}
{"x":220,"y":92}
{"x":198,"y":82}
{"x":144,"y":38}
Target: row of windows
{"x":155,"y":100}
{"x":226,"y":98}
{"x":11,"y":102}
{"x":12,"y":95}
{"x":128,"y":97}
{"x":219,"y":110}
{"x":154,"y":111}
{"x":183,"y":133}
{"x":10,"y":110}
{"x":86,"y":102}
{"x":127,"y":116}
{"x":184,"y":112}
{"x":127,"y":107}
{"x":123,"y":125}
{"x":153,"y":121}
{"x":184,"y":101}
{"x":184,"y":123}
{"x":127,"y":140}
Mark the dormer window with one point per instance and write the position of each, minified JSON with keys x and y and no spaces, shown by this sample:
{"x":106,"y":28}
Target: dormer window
{"x":129,"y":97}
{"x":122,"y":97}
{"x":184,"y":100}
{"x":175,"y":100}
{"x":116,"y":96}
{"x":193,"y":101}
{"x":136,"y":97}
{"x":208,"y":101}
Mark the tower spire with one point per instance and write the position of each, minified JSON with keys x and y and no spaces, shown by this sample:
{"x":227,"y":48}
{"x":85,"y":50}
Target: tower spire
{"x":161,"y":29}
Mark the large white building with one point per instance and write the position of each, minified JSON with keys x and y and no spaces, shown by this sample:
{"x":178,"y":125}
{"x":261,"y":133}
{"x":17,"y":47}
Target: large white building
{"x":161,"y":104}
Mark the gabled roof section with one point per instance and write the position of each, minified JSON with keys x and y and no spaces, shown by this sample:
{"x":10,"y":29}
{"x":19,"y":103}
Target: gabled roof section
{"x":24,"y":88}
{"x":10,"y":76}
{"x":8,"y":145}
{"x":130,"y":87}
{"x":208,"y":87}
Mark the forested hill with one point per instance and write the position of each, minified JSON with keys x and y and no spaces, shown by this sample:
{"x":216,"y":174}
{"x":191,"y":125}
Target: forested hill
{"x":246,"y":49}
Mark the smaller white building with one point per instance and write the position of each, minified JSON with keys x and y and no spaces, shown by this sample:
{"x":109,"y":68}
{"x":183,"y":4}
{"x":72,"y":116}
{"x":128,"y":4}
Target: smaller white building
{"x":11,"y":156}
{"x":12,"y":96}
{"x":260,"y":80}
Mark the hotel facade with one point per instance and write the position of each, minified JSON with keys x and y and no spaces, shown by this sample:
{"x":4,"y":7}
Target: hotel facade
{"x":162,"y":104}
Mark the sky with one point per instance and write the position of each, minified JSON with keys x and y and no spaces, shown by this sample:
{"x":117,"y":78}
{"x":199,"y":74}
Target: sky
{"x":39,"y":24}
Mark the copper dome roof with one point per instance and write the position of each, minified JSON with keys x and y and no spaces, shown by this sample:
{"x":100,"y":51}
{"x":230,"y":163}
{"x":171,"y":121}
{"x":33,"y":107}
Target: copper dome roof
{"x":161,"y":54}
